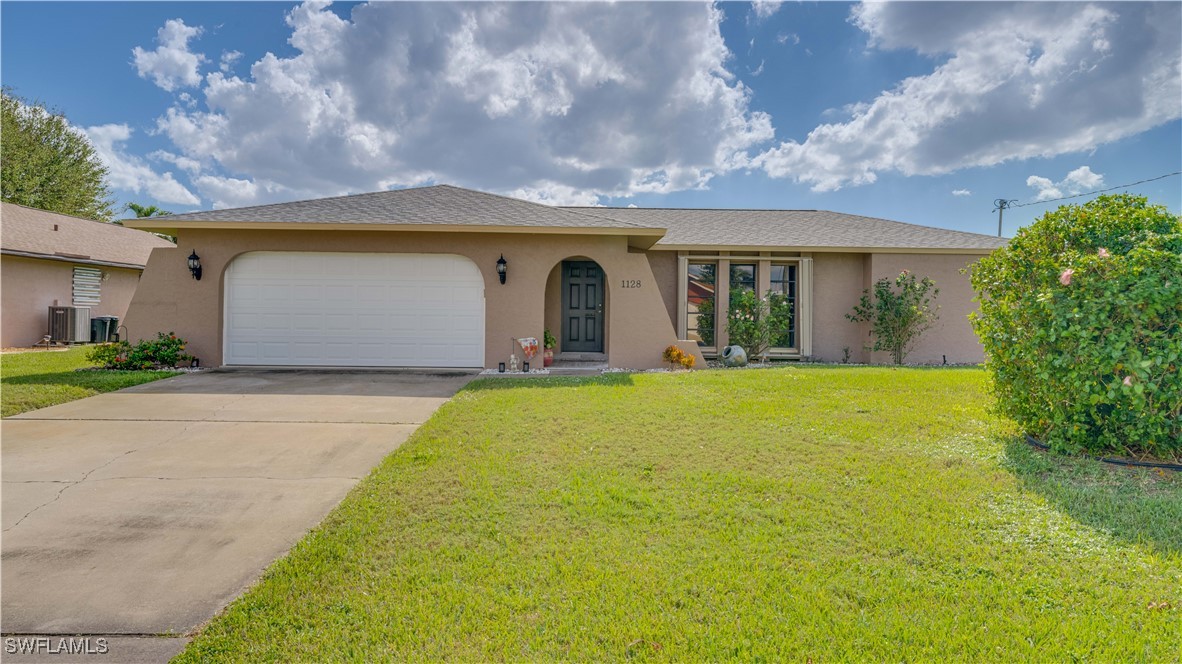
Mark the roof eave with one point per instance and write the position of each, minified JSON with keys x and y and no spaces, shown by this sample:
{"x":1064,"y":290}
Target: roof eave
{"x":970,"y":251}
{"x":77,"y":260}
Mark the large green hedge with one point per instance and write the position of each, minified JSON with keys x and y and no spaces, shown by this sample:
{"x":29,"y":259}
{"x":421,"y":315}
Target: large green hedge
{"x":1081,"y":319}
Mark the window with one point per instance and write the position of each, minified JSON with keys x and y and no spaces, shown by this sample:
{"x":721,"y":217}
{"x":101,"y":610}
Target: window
{"x":784,"y":282}
{"x":700,"y":309}
{"x":742,"y":277}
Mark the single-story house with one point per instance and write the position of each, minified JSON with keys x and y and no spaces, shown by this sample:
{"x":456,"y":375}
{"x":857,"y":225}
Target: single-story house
{"x":447,"y":277}
{"x":52,"y":259}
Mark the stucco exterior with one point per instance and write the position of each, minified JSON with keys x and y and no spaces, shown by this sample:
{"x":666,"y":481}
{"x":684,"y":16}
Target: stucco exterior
{"x":29,"y":286}
{"x":638,"y":327}
{"x":952,"y":338}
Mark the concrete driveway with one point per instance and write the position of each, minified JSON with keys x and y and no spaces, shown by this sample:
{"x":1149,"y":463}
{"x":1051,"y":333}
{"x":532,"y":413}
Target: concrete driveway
{"x":145,"y":511}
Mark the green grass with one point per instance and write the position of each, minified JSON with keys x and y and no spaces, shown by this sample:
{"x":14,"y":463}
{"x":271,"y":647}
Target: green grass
{"x":33,"y":380}
{"x":791,"y":514}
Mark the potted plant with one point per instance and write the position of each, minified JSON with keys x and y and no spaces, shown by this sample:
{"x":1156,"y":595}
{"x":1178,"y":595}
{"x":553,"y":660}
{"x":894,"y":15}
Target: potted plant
{"x":548,"y":344}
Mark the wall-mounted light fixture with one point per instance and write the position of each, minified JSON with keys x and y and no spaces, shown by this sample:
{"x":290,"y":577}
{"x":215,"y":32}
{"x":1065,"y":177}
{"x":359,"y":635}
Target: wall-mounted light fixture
{"x":195,"y":265}
{"x":502,"y":268}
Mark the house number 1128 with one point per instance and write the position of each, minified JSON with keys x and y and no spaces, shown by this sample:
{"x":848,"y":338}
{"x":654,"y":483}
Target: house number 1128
{"x":630,"y":283}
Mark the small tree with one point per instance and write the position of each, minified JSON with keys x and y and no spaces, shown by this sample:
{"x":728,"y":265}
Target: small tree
{"x":898,"y":317}
{"x":753,"y":322}
{"x":47,"y":164}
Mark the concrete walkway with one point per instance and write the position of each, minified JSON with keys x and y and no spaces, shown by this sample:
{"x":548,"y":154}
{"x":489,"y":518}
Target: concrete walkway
{"x":145,"y":511}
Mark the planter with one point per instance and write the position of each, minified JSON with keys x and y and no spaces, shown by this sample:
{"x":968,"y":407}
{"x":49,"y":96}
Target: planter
{"x":547,"y":357}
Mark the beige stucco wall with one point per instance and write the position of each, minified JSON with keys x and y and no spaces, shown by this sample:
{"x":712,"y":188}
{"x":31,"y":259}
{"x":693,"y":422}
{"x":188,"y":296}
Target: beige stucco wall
{"x":638,"y":325}
{"x":952,"y":336}
{"x":29,"y":286}
{"x":837,"y":285}
{"x":664,"y":267}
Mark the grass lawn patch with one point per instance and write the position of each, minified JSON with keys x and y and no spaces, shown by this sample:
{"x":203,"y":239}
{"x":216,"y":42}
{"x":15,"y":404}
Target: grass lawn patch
{"x":804,"y":513}
{"x":33,"y":380}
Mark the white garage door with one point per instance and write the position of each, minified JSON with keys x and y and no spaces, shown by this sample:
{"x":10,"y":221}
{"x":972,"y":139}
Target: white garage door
{"x":354,"y":310}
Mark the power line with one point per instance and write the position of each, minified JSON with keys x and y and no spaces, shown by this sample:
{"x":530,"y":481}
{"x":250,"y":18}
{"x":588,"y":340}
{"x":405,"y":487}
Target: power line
{"x":1090,"y":193}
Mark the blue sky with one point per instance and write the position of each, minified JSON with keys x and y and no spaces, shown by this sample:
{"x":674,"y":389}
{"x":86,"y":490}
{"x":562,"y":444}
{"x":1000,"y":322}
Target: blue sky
{"x":921,"y":112}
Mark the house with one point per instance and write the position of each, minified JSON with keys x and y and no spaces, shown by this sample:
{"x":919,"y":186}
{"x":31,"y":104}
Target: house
{"x":412,"y":278}
{"x":52,"y":259}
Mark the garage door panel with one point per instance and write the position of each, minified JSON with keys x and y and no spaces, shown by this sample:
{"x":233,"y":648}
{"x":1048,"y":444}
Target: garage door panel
{"x":337,"y":309}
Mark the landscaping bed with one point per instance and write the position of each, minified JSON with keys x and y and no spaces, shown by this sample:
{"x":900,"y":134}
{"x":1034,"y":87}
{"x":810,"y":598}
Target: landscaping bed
{"x":798,"y":513}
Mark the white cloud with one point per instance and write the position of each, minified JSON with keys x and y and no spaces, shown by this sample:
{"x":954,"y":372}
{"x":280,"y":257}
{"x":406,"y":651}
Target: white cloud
{"x":130,"y":173}
{"x":1083,"y":179}
{"x":190,"y":166}
{"x":1014,"y":81}
{"x":171,"y":65}
{"x":1078,"y":181}
{"x":764,"y":9}
{"x":961,"y":192}
{"x":561,"y":102}
{"x":785,"y":38}
{"x":228,"y":60}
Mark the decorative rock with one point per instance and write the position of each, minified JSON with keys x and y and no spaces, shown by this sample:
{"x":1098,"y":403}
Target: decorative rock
{"x":734,"y":356}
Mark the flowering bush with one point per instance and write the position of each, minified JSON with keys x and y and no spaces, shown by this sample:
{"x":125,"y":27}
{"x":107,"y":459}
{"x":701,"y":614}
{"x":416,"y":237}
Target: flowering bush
{"x":1081,"y":319}
{"x":163,"y":352}
{"x":898,"y":317}
{"x":753,"y":322}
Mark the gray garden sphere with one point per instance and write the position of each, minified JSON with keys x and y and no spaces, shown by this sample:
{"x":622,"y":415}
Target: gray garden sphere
{"x":734,"y":356}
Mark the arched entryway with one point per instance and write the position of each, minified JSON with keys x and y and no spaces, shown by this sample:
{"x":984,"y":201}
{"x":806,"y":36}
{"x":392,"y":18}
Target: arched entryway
{"x":577,"y":309}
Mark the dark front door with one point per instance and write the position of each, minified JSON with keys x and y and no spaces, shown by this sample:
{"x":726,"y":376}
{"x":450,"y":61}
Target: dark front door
{"x":582,"y":307}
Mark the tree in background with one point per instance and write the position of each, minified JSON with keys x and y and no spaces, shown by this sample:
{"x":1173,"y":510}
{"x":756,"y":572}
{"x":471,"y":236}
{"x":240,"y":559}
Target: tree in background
{"x":898,"y":317}
{"x":47,"y":164}
{"x":142,"y":211}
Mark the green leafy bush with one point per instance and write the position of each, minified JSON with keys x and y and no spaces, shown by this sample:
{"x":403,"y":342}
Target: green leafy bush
{"x":1081,"y":319}
{"x":899,"y":310}
{"x":163,"y":352}
{"x":753,"y":322}
{"x":106,"y":354}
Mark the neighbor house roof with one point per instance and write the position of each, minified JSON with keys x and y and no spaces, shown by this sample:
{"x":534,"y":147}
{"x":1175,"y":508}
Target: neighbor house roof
{"x":36,"y":233}
{"x":793,"y":229}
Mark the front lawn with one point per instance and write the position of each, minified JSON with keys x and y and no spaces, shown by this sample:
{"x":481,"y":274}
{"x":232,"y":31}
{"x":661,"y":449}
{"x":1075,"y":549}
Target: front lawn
{"x":823,"y":514}
{"x":37,"y":379}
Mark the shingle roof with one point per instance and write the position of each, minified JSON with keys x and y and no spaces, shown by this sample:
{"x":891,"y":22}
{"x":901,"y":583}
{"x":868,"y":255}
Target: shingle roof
{"x":793,"y":228}
{"x":27,"y":230}
{"x":455,"y":206}
{"x":439,"y":204}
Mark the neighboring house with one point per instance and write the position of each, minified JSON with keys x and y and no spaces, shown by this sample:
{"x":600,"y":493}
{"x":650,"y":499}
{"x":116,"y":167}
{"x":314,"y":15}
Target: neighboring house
{"x":52,"y":259}
{"x":410,"y":278}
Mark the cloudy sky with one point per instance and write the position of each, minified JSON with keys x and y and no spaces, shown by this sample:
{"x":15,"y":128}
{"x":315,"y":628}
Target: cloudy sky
{"x":922,"y":112}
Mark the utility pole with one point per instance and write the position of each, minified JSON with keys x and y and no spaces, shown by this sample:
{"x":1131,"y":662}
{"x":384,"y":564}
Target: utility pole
{"x":999,"y":206}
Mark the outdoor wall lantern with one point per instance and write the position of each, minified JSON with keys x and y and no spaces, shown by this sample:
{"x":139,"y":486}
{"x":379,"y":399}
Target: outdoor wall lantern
{"x":195,"y":265}
{"x":502,"y":268}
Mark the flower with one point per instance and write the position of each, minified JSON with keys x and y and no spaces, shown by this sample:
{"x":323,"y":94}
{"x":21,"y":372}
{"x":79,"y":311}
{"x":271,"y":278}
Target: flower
{"x":1103,"y":253}
{"x":1128,"y":381}
{"x":1065,"y":277}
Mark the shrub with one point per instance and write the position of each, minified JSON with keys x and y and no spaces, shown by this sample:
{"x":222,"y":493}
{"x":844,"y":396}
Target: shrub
{"x":1081,"y":319}
{"x":675,"y":356}
{"x":548,"y":340}
{"x":163,"y":352}
{"x":107,"y":354}
{"x":897,"y":319}
{"x":753,"y":322}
